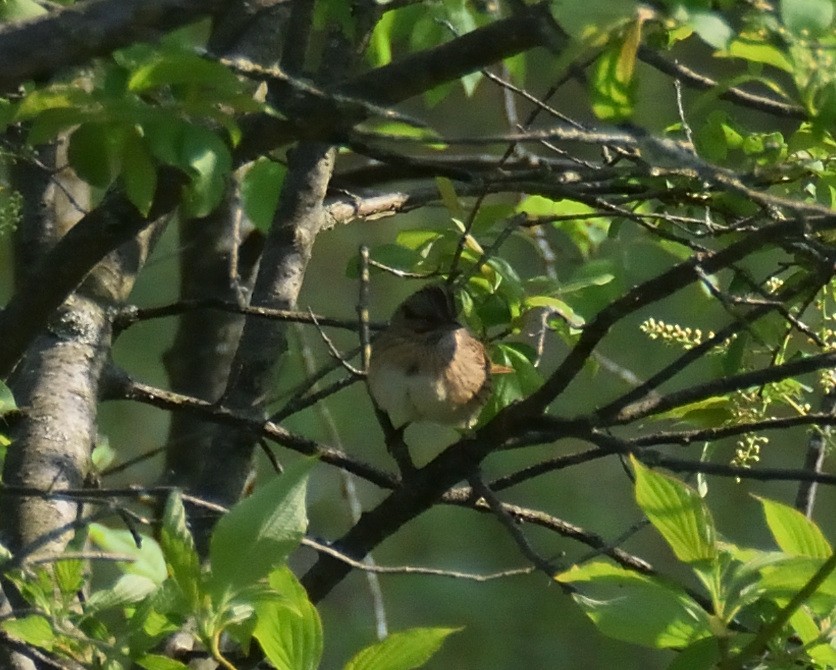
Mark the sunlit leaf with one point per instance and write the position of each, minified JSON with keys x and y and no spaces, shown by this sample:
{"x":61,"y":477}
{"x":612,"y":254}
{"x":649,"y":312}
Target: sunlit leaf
{"x":636,"y":608}
{"x":33,"y":629}
{"x":795,"y":533}
{"x":260,"y":189}
{"x":270,"y":524}
{"x":677,"y":512}
{"x":289,"y":629}
{"x":401,"y":651}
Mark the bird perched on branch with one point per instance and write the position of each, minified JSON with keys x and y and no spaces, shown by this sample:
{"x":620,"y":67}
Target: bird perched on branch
{"x":426,"y":366}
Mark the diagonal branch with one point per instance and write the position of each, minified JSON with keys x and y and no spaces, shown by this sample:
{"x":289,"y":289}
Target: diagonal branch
{"x":38,"y":48}
{"x":62,"y":269}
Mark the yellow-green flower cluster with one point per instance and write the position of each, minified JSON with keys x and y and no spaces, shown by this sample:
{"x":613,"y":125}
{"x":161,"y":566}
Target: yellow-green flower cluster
{"x":672,"y":333}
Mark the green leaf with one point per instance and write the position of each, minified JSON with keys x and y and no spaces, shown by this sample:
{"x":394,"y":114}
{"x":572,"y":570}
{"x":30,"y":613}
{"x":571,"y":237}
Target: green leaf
{"x":148,"y":558}
{"x":795,"y":534}
{"x":416,"y":238}
{"x":182,"y":68}
{"x":7,"y":400}
{"x":508,"y":387}
{"x":49,"y":123}
{"x":814,"y":639}
{"x":613,"y":86}
{"x":20,"y":10}
{"x":677,"y":512}
{"x":139,"y":173}
{"x":69,"y":575}
{"x":177,"y":544}
{"x":637,"y":608}
{"x":712,"y":29}
{"x":759,"y":52}
{"x":380,"y":45}
{"x":33,"y":629}
{"x":700,"y":655}
{"x":158,"y":662}
{"x":450,"y":198}
{"x":260,"y":189}
{"x":270,"y":524}
{"x":289,"y":630}
{"x":208,"y":162}
{"x":102,"y":455}
{"x":808,"y":18}
{"x":401,"y":651}
{"x":709,"y":412}
{"x":96,"y":150}
{"x":127,"y":589}
{"x":782,"y":579}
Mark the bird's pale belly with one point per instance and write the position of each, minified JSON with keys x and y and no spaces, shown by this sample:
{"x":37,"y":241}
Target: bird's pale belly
{"x":417,"y":396}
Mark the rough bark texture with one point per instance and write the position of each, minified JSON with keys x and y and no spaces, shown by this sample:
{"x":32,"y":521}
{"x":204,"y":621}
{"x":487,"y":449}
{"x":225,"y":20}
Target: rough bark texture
{"x":219,"y":259}
{"x":299,"y":218}
{"x":199,"y":359}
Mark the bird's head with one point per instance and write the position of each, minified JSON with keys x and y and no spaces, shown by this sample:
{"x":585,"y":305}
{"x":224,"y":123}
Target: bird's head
{"x":428,"y":309}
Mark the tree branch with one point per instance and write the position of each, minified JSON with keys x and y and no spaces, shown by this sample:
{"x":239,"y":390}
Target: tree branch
{"x":39,"y":47}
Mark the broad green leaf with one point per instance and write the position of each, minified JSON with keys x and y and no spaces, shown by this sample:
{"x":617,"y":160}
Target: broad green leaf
{"x":70,"y":575}
{"x":759,"y":52}
{"x":127,"y":589}
{"x":20,"y":10}
{"x":96,"y":151}
{"x":700,"y":655}
{"x":260,"y":189}
{"x":49,"y":123}
{"x":182,"y":68}
{"x":401,"y":651}
{"x":637,"y":608}
{"x":165,"y":139}
{"x":508,"y":387}
{"x":208,"y":162}
{"x":33,"y":629}
{"x":814,"y":639}
{"x":450,"y":198}
{"x":795,"y":534}
{"x":709,"y":412}
{"x":7,"y":400}
{"x":139,"y":173}
{"x":289,"y":630}
{"x":148,"y":558}
{"x":53,"y":97}
{"x":269,"y":524}
{"x":612,"y":82}
{"x":380,"y":45}
{"x":192,"y":36}
{"x":712,"y":28}
{"x":159,"y":662}
{"x":677,"y":512}
{"x":782,"y":579}
{"x":416,"y":238}
{"x":177,"y":544}
{"x":807,"y":18}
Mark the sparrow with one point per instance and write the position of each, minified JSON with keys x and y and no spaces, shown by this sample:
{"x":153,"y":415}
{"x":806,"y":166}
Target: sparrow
{"x":426,"y":366}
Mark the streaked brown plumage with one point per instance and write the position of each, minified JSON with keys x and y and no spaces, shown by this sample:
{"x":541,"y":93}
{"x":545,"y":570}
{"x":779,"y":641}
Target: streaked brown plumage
{"x":426,"y":366}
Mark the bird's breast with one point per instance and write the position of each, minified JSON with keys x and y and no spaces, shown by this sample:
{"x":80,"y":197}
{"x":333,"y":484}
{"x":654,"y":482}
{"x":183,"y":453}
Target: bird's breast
{"x":442,"y":379}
